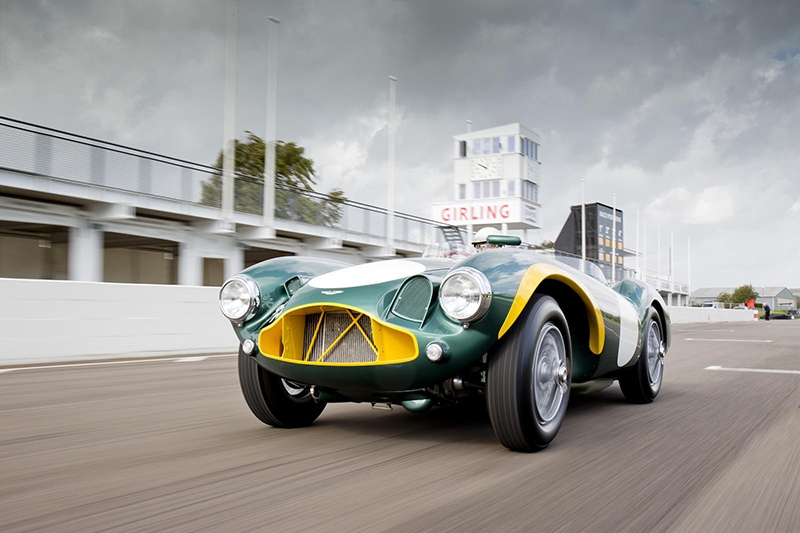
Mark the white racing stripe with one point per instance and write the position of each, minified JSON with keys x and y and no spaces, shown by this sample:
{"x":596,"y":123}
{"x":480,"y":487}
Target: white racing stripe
{"x":367,"y":274}
{"x":754,"y":370}
{"x":628,"y":331}
{"x":728,"y":340}
{"x":130,"y":362}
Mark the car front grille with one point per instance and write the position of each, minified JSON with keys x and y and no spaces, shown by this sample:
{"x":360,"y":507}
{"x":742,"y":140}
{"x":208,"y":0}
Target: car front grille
{"x":326,"y":334}
{"x":339,"y":338}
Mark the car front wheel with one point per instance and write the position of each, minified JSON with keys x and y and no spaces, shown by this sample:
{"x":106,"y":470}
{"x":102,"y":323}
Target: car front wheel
{"x":274,"y":400}
{"x":528,"y":383}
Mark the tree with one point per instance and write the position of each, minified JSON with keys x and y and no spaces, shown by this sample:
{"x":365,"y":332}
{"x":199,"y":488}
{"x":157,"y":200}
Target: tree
{"x":724,"y":297}
{"x":545,"y":245}
{"x":295,"y":198}
{"x":743,"y":293}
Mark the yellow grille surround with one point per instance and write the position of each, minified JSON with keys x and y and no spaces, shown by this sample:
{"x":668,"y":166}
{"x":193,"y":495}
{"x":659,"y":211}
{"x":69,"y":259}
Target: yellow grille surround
{"x":335,"y":335}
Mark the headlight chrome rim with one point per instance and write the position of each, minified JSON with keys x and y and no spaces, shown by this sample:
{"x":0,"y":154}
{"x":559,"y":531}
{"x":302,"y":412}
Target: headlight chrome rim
{"x":469,"y":313}
{"x":253,"y":293}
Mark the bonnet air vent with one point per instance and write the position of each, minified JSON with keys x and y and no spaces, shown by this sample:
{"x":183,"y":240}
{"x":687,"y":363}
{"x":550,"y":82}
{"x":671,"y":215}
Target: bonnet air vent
{"x":413,"y":299}
{"x":293,"y":285}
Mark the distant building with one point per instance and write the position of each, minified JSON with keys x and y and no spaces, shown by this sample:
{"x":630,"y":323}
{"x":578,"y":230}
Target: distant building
{"x":775,"y":297}
{"x":600,"y":240}
{"x":497,"y":178}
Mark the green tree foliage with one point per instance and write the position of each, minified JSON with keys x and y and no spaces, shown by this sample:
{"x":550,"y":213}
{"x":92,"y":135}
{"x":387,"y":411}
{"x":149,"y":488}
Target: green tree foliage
{"x":295,"y":198}
{"x":743,"y":293}
{"x":724,"y":297}
{"x":545,"y":245}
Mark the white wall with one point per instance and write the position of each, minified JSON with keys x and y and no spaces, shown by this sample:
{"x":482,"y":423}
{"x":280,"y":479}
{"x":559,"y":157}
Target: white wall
{"x":51,"y":321}
{"x":686,"y":315}
{"x":43,"y":321}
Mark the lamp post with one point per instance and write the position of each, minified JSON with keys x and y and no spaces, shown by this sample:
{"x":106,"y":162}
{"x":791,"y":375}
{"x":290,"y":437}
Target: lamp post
{"x":268,"y":214}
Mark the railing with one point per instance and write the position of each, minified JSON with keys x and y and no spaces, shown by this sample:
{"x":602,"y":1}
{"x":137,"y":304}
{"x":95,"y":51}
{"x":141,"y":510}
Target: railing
{"x":71,"y":158}
{"x":663,"y":283}
{"x":575,"y":261}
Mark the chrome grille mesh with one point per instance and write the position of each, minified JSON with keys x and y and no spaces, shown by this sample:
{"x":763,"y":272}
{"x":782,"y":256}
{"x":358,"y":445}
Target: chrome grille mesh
{"x":353,"y":347}
{"x":413,"y":300}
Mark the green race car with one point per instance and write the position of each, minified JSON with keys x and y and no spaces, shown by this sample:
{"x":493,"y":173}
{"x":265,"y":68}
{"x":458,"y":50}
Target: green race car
{"x":515,"y":326}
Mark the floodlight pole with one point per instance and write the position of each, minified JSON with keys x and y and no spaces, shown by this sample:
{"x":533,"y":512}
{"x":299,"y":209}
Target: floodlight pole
{"x":390,"y":198}
{"x":270,"y":160}
{"x":614,"y":242}
{"x":658,"y":255}
{"x":229,"y":119}
{"x":637,"y":243}
{"x":583,"y":226}
{"x":644,"y":247}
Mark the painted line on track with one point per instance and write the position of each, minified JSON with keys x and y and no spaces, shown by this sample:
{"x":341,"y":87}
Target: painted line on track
{"x":727,"y":340}
{"x":753,"y":370}
{"x":128,"y":362}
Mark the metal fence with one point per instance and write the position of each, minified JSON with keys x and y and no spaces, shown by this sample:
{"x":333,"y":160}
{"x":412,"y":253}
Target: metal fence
{"x":62,"y":156}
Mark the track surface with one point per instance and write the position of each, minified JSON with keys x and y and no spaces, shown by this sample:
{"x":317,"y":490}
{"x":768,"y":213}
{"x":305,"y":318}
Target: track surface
{"x":171,"y":446}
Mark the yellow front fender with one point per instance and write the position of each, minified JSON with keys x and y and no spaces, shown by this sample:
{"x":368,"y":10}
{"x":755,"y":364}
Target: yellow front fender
{"x":533,"y":277}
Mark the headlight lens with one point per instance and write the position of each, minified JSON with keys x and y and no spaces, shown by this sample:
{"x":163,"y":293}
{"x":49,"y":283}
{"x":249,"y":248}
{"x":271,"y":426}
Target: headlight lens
{"x":239,"y":298}
{"x":465,"y":294}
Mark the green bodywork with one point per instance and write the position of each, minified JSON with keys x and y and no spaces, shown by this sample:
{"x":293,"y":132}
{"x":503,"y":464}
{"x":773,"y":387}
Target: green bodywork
{"x":504,"y":268}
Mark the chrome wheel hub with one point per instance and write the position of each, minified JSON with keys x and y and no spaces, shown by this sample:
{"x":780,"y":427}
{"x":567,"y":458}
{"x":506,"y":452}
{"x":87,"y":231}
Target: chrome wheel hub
{"x":655,"y":354}
{"x":550,"y":374}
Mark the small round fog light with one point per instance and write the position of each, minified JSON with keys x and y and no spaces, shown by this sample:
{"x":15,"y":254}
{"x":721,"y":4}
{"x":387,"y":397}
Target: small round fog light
{"x":248,"y":346}
{"x":435,"y":352}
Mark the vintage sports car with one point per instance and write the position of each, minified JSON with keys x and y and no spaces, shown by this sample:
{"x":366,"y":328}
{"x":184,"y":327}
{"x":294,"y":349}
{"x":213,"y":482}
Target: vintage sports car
{"x":515,"y":326}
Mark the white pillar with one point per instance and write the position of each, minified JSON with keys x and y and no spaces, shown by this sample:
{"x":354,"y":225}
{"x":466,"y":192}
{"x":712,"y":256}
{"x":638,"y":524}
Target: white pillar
{"x":85,"y":253}
{"x":268,"y":215}
{"x":234,"y":259}
{"x":229,"y":118}
{"x":190,"y":264}
{"x":390,"y":198}
{"x":504,"y":228}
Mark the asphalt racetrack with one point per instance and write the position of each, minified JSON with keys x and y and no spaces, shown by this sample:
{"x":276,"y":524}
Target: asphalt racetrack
{"x":169,"y":445}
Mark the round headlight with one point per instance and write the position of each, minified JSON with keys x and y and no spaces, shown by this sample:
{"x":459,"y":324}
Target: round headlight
{"x":465,"y":294}
{"x":239,"y":298}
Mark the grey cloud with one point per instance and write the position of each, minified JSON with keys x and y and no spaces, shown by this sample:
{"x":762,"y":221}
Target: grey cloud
{"x":624,"y":87}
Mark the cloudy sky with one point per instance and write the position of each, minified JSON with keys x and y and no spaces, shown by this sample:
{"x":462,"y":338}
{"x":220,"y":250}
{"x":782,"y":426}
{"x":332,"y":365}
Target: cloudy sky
{"x":689,"y":110}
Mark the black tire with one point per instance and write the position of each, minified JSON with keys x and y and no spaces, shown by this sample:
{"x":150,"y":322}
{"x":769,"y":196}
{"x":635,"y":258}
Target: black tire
{"x":526,"y":355}
{"x":641,"y":383}
{"x":269,"y":398}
